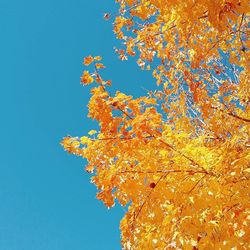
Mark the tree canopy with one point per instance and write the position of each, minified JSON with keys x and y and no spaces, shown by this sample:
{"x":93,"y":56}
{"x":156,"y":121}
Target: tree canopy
{"x":177,"y":158}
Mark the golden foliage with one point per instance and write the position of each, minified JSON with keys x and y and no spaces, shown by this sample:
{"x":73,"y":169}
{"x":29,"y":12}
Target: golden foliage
{"x":179,"y":157}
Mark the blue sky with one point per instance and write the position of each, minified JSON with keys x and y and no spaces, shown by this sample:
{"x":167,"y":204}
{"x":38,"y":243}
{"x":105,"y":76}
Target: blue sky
{"x":47,"y":201}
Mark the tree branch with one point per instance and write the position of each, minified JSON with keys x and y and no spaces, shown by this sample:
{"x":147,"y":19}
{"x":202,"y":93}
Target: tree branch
{"x":192,"y":172}
{"x":231,"y":114}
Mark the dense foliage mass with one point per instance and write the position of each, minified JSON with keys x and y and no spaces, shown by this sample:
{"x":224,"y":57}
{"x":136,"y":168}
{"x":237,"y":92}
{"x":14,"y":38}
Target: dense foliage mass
{"x":179,"y":157}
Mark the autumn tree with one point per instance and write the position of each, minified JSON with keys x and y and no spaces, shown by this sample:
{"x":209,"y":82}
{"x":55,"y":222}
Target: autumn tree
{"x":178,"y":158}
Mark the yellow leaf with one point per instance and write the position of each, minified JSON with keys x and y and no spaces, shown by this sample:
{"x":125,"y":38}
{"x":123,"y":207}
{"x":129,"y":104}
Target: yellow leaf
{"x":99,"y":66}
{"x":97,"y":58}
{"x":84,"y":139}
{"x":86,"y":78}
{"x":92,"y":132}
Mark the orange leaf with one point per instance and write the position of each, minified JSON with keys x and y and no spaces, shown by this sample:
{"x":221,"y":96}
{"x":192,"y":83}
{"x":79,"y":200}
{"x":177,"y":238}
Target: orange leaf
{"x":86,"y":78}
{"x":88,"y":60}
{"x":99,"y":66}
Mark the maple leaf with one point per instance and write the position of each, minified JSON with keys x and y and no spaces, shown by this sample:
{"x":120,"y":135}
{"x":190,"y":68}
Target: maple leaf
{"x":97,"y":58}
{"x":99,"y":66}
{"x":88,"y":60}
{"x":92,"y":132}
{"x":86,"y":78}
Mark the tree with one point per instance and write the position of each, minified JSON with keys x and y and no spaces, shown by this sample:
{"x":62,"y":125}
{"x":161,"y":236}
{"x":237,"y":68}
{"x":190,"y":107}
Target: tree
{"x":179,"y":157}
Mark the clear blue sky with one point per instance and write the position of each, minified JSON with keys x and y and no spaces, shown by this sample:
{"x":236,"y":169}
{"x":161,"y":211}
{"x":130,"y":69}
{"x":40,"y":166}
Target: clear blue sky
{"x":47,"y":201}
